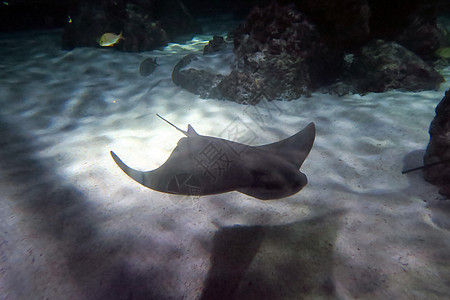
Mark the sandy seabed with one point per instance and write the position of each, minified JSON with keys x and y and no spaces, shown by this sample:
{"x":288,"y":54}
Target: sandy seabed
{"x":74,"y":226}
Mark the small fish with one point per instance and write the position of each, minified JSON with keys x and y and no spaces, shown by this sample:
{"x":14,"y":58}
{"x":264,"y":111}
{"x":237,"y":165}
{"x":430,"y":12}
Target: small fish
{"x":110,"y":39}
{"x":147,"y":66}
{"x":443,"y":52}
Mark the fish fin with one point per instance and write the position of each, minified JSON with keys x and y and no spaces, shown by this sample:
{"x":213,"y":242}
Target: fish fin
{"x":296,"y":148}
{"x":138,"y":176}
{"x":191,"y":131}
{"x":120,"y":36}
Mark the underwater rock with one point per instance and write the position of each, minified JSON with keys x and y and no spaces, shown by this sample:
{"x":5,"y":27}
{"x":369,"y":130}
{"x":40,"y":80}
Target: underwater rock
{"x":214,"y":45}
{"x":145,"y":25}
{"x":383,"y":66}
{"x":283,"y":54}
{"x":279,"y":54}
{"x":410,"y":23}
{"x":140,"y":32}
{"x":241,"y":87}
{"x":438,"y":149}
{"x":421,"y":36}
{"x":174,"y":17}
{"x":89,"y":21}
{"x":199,"y":82}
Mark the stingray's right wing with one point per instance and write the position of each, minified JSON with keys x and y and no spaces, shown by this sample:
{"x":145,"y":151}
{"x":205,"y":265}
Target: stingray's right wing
{"x":294,"y":149}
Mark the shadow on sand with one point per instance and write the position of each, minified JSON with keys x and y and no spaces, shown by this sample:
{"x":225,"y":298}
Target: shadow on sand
{"x":59,"y":212}
{"x":290,"y":261}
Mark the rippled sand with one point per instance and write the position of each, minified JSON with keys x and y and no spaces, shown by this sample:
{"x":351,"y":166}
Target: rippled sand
{"x":75,"y":227}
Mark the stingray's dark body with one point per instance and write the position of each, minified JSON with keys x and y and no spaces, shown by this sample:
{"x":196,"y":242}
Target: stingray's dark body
{"x":203,"y":165}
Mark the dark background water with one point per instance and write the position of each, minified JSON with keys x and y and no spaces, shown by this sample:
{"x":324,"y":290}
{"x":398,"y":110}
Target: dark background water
{"x":41,"y":14}
{"x":49,"y":14}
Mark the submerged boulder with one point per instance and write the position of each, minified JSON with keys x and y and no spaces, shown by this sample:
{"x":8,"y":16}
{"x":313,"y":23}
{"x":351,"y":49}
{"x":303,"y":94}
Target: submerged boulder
{"x":145,"y":25}
{"x":410,"y":23}
{"x":241,"y":87}
{"x":285,"y":52}
{"x":437,"y":154}
{"x":141,"y":33}
{"x":421,"y":35}
{"x":280,"y":54}
{"x":215,"y":45}
{"x":383,"y":66}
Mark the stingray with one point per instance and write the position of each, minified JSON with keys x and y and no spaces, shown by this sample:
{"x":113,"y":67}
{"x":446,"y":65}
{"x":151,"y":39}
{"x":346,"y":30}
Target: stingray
{"x":204,"y":165}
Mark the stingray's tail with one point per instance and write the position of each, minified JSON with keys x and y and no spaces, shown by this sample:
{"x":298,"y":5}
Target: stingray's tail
{"x":138,"y":176}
